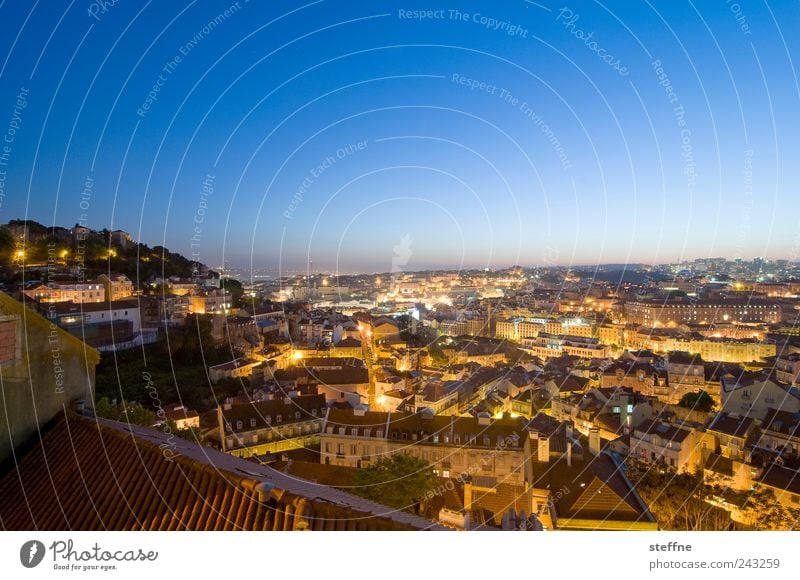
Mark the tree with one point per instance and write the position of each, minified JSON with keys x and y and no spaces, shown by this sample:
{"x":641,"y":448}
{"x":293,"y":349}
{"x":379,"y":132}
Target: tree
{"x":400,"y":481}
{"x":697,"y":401}
{"x":235,"y":288}
{"x":132,"y":413}
{"x":190,"y":433}
{"x":437,"y":356}
{"x":7,"y":245}
{"x":677,"y":500}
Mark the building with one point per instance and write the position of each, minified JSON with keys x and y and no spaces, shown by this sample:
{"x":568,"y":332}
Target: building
{"x":135,"y":478}
{"x":584,"y":491}
{"x":729,"y":435}
{"x":753,"y":394}
{"x":642,"y":377}
{"x":79,"y":292}
{"x":454,"y":445}
{"x":164,"y":310}
{"x":547,"y":345}
{"x":385,"y":329}
{"x":780,"y":433}
{"x":784,"y":483}
{"x":261,"y":428}
{"x":787,"y":368}
{"x":685,"y":374}
{"x":342,"y":383}
{"x":120,"y":238}
{"x":610,"y":412}
{"x":43,"y":368}
{"x":208,"y":302}
{"x":665,"y":312}
{"x":240,"y":367}
{"x":101,"y":324}
{"x":182,"y":417}
{"x":677,"y":447}
{"x":440,"y":397}
{"x":116,"y":286}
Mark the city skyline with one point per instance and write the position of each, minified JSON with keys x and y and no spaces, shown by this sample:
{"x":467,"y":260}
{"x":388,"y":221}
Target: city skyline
{"x":489,"y":136}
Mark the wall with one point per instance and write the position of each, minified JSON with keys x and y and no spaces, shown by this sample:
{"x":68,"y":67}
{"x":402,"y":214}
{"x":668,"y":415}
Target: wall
{"x":50,"y":369}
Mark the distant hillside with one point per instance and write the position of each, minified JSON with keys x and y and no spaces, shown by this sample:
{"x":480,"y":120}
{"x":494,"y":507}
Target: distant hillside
{"x":621,"y":276}
{"x":95,"y":254}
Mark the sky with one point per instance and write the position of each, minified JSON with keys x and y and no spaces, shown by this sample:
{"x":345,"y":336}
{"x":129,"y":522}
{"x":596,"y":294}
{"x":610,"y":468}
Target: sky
{"x":393,"y":136}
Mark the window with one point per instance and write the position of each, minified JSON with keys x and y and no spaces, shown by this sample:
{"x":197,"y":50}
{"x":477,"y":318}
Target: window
{"x":252,"y":422}
{"x":327,"y":448}
{"x":352,"y":450}
{"x":268,"y":419}
{"x":354,"y":432}
{"x":228,"y":426}
{"x":367,"y":432}
{"x":239,"y":425}
{"x":278,"y":418}
{"x":379,"y":433}
{"x":445,"y":473}
{"x":297,"y":415}
{"x":341,"y":430}
{"x":314,"y":412}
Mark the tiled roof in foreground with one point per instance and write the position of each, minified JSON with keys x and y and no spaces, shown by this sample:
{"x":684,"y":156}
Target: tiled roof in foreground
{"x":87,"y":474}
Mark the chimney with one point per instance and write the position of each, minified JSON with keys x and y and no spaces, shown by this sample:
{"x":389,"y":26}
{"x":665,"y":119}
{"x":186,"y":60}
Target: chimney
{"x":264,"y":491}
{"x":594,"y":440}
{"x":543,"y":453}
{"x":467,"y":495}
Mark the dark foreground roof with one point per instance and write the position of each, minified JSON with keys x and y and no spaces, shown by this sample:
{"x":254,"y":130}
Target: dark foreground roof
{"x":87,"y":474}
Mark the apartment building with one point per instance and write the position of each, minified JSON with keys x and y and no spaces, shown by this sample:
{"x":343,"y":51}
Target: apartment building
{"x":677,"y":447}
{"x":79,"y":292}
{"x":665,"y":312}
{"x":476,"y":446}
{"x":116,"y":286}
{"x":280,"y":424}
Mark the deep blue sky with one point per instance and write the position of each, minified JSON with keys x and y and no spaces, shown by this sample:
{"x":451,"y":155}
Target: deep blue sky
{"x":588,"y":165}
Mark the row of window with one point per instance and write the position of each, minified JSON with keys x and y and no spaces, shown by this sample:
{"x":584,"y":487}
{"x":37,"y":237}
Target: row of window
{"x":253,"y":422}
{"x":269,"y":436}
{"x":486,"y":441}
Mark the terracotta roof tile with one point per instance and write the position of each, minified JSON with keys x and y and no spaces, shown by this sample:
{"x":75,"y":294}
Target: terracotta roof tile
{"x":86,"y":474}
